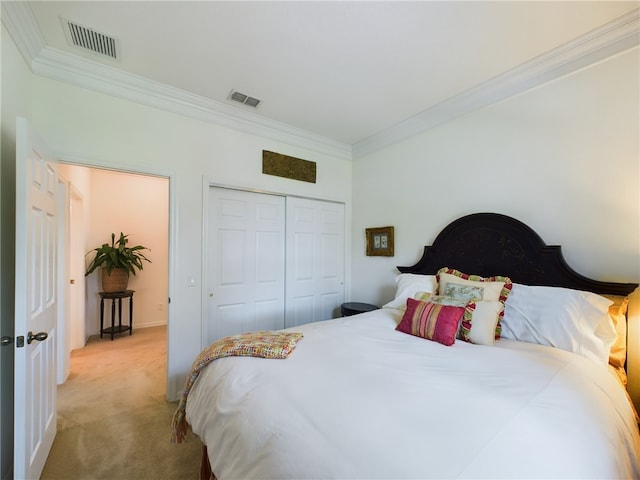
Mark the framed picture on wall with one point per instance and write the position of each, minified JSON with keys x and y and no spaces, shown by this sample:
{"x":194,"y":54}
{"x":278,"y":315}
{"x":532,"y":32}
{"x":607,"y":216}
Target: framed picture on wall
{"x":380,"y":241}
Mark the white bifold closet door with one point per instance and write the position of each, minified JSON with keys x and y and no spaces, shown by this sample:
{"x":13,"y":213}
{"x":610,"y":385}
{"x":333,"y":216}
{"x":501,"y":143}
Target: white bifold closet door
{"x":314,"y":260}
{"x":271,"y":262}
{"x":245,"y":262}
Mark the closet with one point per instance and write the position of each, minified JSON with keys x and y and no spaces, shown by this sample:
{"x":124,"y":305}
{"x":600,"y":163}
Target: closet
{"x":271,"y":261}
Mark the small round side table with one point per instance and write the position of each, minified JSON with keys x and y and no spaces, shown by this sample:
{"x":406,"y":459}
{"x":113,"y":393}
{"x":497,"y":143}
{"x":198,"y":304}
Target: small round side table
{"x":353,"y":308}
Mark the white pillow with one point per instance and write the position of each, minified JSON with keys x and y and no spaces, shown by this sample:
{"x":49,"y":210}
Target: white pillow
{"x":484,"y":319}
{"x":569,"y":319}
{"x":408,"y":284}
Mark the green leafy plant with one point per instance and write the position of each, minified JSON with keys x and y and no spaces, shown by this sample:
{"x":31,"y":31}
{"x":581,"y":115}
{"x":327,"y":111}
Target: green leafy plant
{"x":118,"y":255}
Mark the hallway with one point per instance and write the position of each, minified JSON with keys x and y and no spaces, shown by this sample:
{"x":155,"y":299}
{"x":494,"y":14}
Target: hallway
{"x":113,"y":419}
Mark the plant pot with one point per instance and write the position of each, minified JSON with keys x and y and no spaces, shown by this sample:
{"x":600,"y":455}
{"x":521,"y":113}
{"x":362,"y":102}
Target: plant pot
{"x":116,"y":282}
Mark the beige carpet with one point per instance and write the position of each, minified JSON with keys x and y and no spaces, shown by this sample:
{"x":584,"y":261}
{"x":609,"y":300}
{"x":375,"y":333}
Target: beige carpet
{"x":113,"y":419}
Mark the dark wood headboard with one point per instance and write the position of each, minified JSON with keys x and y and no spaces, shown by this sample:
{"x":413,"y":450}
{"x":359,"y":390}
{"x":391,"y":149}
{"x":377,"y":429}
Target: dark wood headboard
{"x":489,"y":244}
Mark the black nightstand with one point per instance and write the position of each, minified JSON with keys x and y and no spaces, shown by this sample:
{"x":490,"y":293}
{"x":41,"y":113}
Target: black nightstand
{"x":353,"y":308}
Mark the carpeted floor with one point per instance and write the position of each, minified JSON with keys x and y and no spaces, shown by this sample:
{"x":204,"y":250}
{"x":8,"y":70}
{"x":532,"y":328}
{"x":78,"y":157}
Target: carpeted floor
{"x":113,"y":419}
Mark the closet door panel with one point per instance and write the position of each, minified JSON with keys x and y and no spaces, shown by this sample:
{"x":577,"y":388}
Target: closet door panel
{"x":229,"y":317}
{"x":268,"y":315}
{"x":232,"y":244}
{"x":245,"y":263}
{"x":268,"y":266}
{"x":315,"y":260}
{"x":302,"y":256}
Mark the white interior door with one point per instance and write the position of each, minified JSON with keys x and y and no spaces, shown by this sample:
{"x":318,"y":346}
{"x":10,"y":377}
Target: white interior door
{"x":35,"y":304}
{"x":315,"y":260}
{"x":76,"y":250}
{"x":63,"y":334}
{"x":245,"y":263}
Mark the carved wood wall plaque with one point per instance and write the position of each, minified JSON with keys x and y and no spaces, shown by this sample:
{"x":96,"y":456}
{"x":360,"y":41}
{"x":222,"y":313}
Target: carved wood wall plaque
{"x":288,"y":167}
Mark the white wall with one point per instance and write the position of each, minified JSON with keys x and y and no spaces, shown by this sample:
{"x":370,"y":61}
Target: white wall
{"x":98,"y":130}
{"x":563,"y":158}
{"x":138,"y":206}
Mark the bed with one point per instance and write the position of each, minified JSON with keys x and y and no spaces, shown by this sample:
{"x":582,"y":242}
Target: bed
{"x":531,"y":385}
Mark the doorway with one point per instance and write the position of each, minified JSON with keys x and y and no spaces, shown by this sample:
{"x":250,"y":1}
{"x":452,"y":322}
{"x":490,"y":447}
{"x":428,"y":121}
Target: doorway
{"x":102,"y":202}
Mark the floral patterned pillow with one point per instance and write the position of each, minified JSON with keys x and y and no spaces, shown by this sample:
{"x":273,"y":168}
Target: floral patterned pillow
{"x":462,"y":285}
{"x":466,"y":293}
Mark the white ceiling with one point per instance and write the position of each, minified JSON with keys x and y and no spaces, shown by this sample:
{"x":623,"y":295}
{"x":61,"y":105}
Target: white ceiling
{"x":345,"y":71}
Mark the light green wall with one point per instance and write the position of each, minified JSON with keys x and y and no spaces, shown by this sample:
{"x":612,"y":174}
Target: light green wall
{"x":99,"y":130}
{"x":562,"y":158}
{"x":15,"y":101}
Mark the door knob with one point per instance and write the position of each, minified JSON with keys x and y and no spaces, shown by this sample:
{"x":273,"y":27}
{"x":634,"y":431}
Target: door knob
{"x":4,"y":341}
{"x":40,"y":336}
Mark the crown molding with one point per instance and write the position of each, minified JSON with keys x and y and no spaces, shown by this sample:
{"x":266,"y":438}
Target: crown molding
{"x":612,"y":38}
{"x":58,"y":65}
{"x":85,"y":73}
{"x":19,"y":21}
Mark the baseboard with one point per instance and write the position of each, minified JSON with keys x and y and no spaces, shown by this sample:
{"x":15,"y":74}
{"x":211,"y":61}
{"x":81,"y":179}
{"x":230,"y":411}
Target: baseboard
{"x":149,"y":325}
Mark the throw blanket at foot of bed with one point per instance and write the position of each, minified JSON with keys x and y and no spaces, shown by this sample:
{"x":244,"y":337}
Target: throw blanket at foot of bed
{"x":262,"y":344}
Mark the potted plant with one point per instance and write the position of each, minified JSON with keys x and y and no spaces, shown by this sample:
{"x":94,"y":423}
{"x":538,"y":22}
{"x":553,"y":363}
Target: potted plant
{"x":117,"y":262}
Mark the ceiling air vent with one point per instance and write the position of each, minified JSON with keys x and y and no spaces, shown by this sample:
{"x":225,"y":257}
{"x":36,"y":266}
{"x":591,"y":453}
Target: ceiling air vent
{"x":89,"y":39}
{"x":244,"y":99}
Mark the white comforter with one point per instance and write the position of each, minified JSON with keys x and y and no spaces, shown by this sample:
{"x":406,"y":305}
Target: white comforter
{"x":359,"y":400}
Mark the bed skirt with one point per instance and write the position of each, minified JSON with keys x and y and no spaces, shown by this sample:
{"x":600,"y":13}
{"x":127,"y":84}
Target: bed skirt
{"x":205,"y":466}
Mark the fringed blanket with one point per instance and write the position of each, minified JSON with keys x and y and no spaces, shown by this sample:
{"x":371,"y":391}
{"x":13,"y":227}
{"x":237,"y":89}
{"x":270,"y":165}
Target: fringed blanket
{"x":264,"y":344}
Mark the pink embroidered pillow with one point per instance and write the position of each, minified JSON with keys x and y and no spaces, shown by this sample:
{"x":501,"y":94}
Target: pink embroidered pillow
{"x":431,"y":321}
{"x":453,"y":283}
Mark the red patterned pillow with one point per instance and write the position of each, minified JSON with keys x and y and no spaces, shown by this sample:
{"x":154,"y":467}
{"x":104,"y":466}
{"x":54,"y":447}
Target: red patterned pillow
{"x":431,"y":321}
